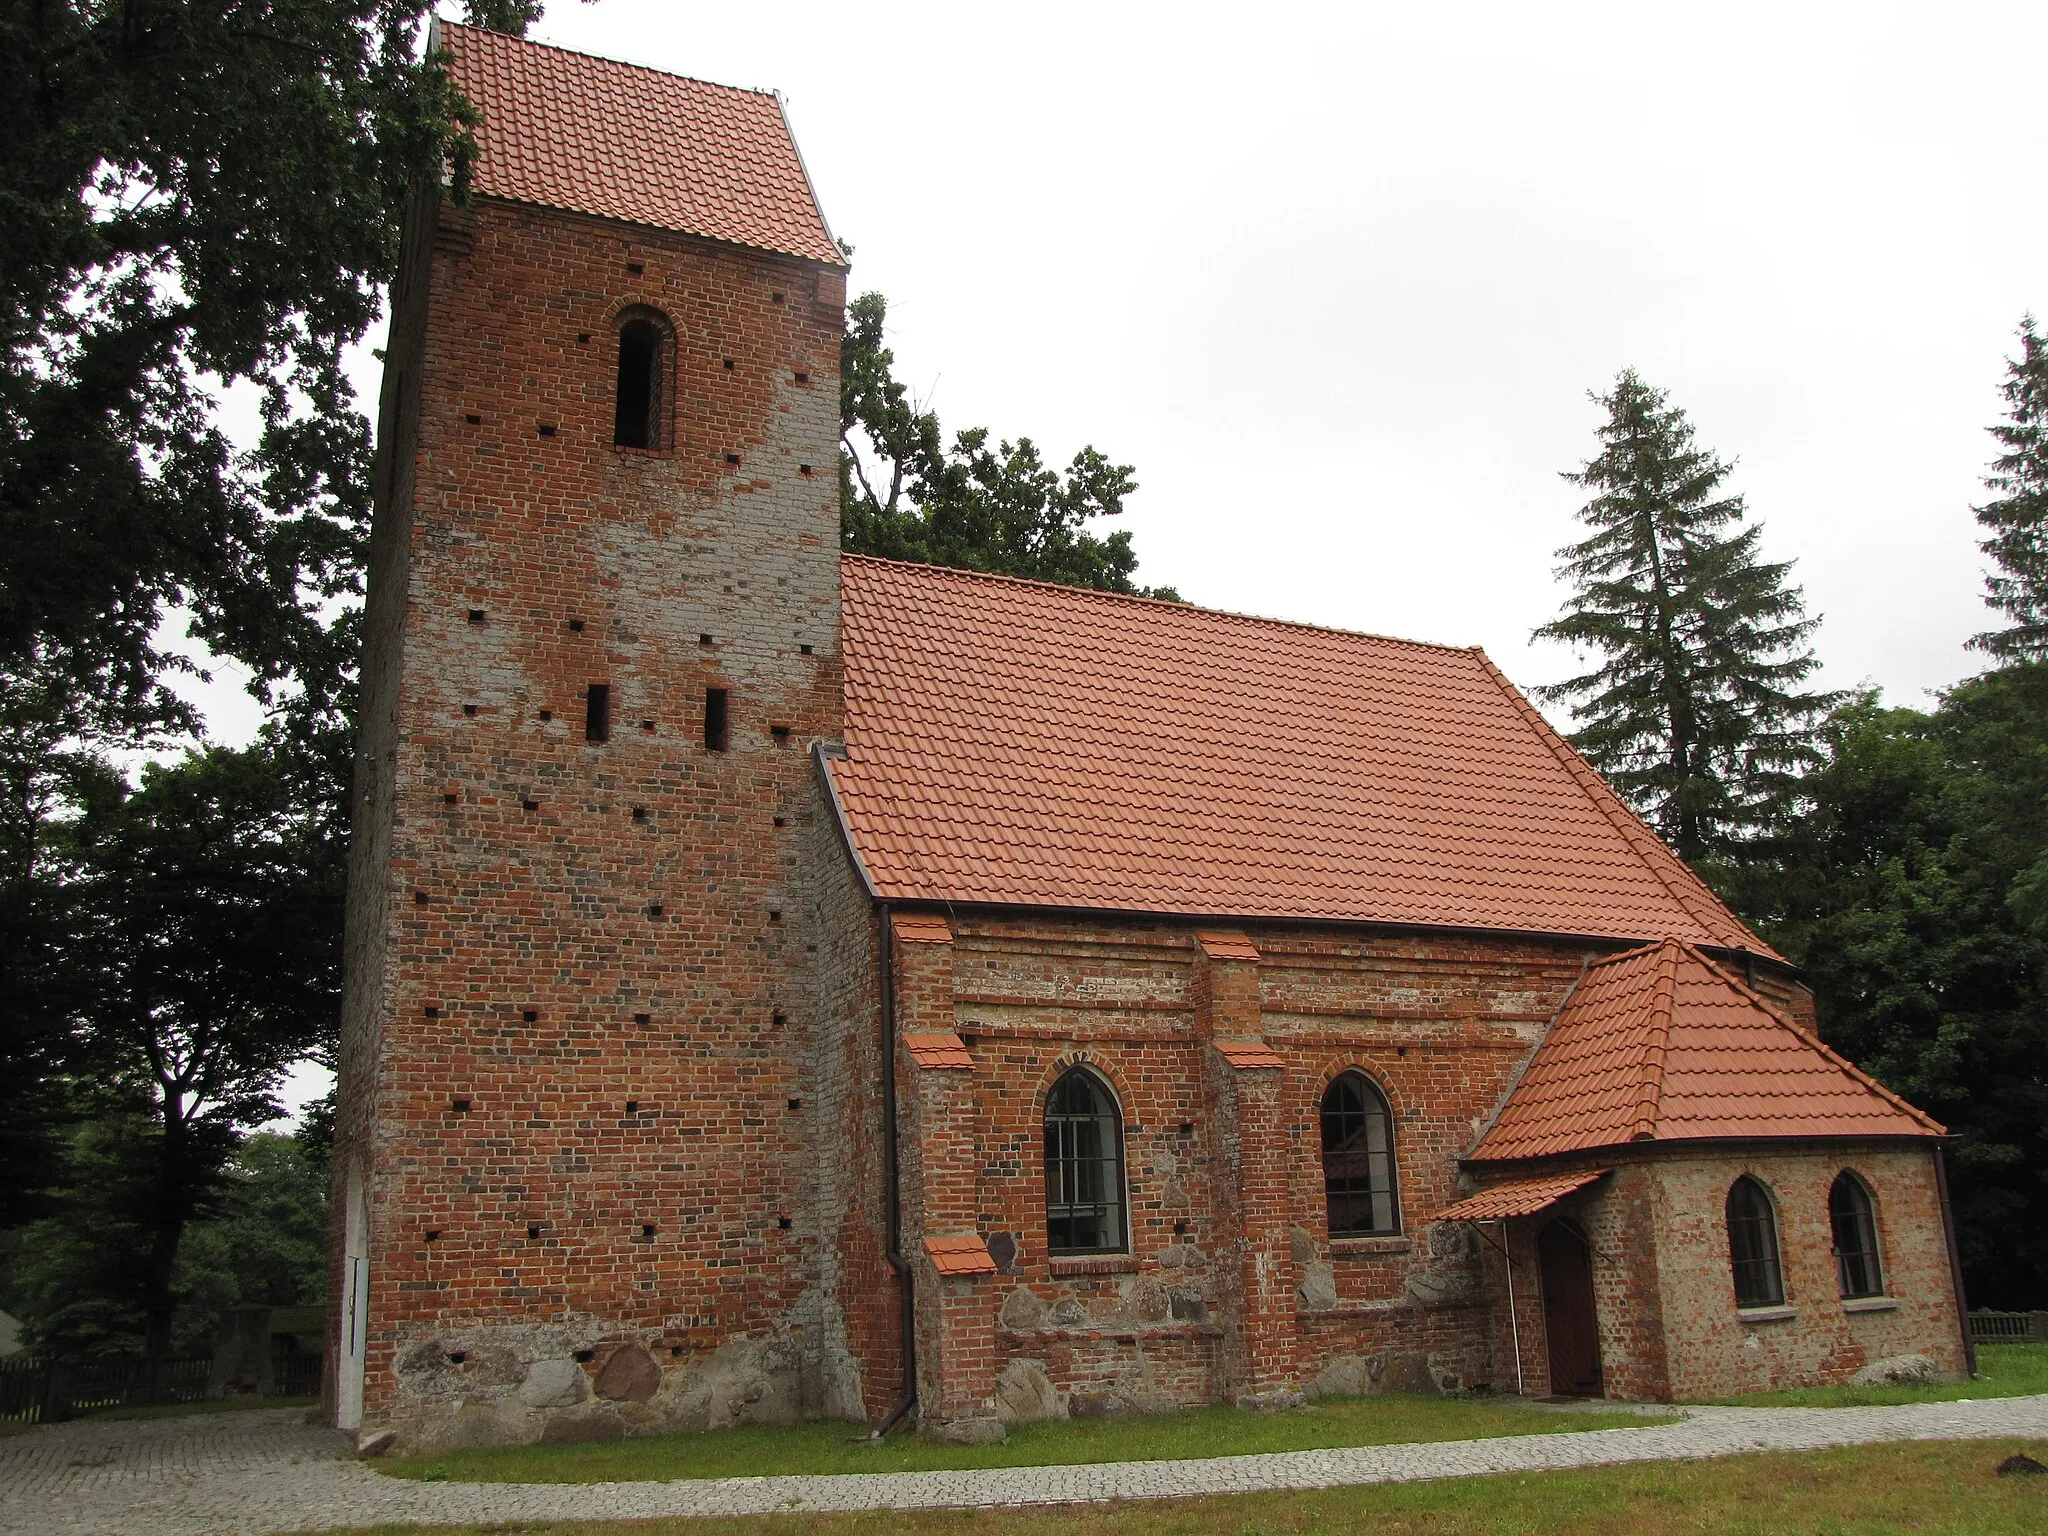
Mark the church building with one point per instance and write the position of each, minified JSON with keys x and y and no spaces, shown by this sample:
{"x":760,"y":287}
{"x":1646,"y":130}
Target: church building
{"x":787,"y":985}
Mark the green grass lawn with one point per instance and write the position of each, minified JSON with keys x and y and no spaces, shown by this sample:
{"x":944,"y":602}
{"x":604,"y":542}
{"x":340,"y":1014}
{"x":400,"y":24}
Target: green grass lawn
{"x":2003,"y":1370}
{"x":811,"y":1448}
{"x":1936,"y":1488}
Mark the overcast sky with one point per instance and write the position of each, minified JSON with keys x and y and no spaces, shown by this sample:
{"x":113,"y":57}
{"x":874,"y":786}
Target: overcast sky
{"x":1337,"y":280}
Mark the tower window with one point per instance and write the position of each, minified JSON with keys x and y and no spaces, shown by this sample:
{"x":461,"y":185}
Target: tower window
{"x":717,"y":720}
{"x":643,"y":349}
{"x":597,"y":712}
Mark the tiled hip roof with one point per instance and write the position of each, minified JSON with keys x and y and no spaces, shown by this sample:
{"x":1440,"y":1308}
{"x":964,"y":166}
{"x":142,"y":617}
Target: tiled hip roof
{"x":1659,"y":1045}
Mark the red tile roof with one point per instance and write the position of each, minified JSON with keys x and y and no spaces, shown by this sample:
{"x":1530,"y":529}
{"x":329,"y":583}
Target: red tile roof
{"x":570,"y":130}
{"x":937,"y":1048}
{"x":1248,"y":1055}
{"x":1227,"y":946}
{"x":1015,"y":743}
{"x":960,"y":1255}
{"x":1660,"y":1044}
{"x":1518,"y":1197}
{"x":921,"y":928}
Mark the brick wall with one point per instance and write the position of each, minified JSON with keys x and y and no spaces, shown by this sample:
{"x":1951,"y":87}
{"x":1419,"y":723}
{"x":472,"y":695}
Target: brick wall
{"x":1713,"y":1351}
{"x":1233,"y":1289}
{"x":574,"y":1048}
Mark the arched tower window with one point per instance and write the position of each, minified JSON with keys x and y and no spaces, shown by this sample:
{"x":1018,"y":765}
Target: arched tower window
{"x":643,"y":365}
{"x":1753,"y":1246}
{"x":1358,"y":1159}
{"x":1855,"y":1223}
{"x":1084,"y":1166}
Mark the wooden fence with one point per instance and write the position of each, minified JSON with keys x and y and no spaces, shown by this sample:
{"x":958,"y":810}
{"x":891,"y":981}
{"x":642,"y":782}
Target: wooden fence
{"x":42,"y":1391}
{"x":2008,"y":1327}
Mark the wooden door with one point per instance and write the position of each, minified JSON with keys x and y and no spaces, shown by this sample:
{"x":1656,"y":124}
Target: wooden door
{"x":1569,"y":1321}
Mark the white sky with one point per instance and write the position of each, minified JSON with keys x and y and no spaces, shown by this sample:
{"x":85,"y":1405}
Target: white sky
{"x":1336,"y":279}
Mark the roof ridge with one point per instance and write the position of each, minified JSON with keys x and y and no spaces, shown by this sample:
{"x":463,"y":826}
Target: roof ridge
{"x":1810,"y":1038}
{"x":1687,"y":889}
{"x":1650,"y":1085}
{"x":506,"y":39}
{"x":1157,"y":602}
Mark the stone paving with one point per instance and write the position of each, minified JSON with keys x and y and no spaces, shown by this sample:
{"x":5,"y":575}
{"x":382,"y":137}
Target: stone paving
{"x":264,"y":1471}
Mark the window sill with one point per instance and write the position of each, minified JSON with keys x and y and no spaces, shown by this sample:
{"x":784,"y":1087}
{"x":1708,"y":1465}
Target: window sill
{"x":1368,"y":1247}
{"x":1103,"y":1264}
{"x":643,"y":453}
{"x":1779,"y":1314}
{"x":1871,"y":1304}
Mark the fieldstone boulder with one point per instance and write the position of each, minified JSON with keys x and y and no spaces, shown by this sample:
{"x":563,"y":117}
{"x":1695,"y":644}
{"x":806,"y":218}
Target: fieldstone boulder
{"x":969,"y":1432}
{"x":1318,"y":1287}
{"x":1023,"y":1311}
{"x":1025,"y":1394}
{"x":556,"y":1383}
{"x":1897,"y":1371}
{"x":631,"y":1375}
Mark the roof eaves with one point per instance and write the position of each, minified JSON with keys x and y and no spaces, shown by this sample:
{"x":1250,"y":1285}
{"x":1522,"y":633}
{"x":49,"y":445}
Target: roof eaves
{"x":1650,"y":1084}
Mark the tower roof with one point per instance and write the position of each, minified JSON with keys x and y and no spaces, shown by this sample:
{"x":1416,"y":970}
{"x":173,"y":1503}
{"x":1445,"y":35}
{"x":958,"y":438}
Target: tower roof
{"x":1015,"y":743}
{"x":1660,"y":1044}
{"x":591,"y":135}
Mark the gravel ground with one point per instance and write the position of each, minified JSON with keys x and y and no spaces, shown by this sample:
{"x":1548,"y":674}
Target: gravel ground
{"x":248,"y":1474}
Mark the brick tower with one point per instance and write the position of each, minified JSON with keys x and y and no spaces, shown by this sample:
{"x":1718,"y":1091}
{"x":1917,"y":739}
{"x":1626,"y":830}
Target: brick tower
{"x":602,"y":633}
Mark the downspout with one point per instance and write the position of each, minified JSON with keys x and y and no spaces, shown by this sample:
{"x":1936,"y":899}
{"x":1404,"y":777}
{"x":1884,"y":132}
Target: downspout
{"x":892,"y":1191}
{"x":1955,"y":1260}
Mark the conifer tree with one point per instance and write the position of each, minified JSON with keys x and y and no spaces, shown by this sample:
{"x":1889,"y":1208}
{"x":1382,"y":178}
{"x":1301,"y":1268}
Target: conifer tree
{"x":2018,"y":518}
{"x":1693,"y":711}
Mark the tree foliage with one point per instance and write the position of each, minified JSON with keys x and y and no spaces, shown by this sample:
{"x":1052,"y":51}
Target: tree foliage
{"x":1692,"y":709}
{"x":2017,"y":515}
{"x":1909,"y":892}
{"x":906,"y":493}
{"x":197,"y":198}
{"x":201,"y":205}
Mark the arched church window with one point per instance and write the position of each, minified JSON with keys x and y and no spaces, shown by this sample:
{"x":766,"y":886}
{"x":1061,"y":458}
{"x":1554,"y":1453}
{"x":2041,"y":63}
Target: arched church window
{"x":1358,"y":1159}
{"x":643,"y":366}
{"x":1753,"y":1245}
{"x":1854,"y":1220}
{"x":1084,"y":1166}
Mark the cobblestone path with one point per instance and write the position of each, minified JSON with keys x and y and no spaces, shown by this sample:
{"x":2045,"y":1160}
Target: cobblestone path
{"x":250,"y":1474}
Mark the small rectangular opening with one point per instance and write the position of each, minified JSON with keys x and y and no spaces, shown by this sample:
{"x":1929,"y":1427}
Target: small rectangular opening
{"x":597,"y":712}
{"x":717,"y":720}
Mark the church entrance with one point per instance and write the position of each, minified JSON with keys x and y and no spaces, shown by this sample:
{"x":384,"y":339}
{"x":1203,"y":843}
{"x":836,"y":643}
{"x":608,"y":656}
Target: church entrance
{"x":1569,"y":1321}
